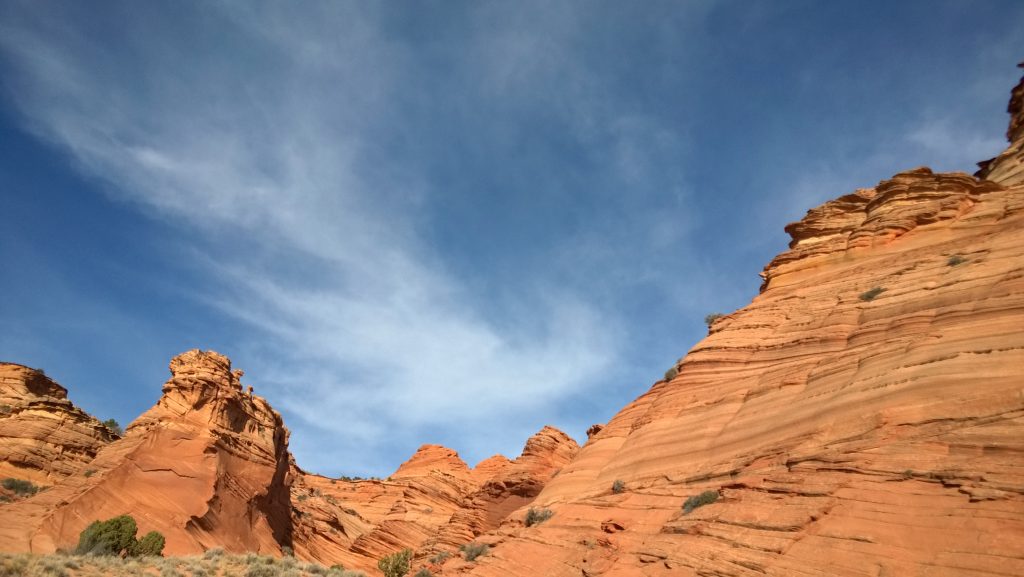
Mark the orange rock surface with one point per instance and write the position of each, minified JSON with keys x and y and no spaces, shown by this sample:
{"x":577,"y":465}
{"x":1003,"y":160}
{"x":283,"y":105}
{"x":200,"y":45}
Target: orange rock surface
{"x":863,"y":416}
{"x":206,"y":466}
{"x":43,"y":436}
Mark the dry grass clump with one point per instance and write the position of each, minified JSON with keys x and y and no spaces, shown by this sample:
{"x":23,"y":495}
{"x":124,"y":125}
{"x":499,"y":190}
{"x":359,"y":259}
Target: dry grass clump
{"x":213,"y":563}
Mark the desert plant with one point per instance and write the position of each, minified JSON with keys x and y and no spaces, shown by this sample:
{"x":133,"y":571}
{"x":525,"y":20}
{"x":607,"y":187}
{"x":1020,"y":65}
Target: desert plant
{"x":114,"y":427}
{"x":871,"y":294}
{"x":618,"y":486}
{"x":111,"y":537}
{"x":287,"y":551}
{"x":473,"y":550}
{"x":671,"y":373}
{"x":423,"y":572}
{"x":151,"y":544}
{"x":89,"y":472}
{"x":259,"y":570}
{"x":705,"y":498}
{"x":537,"y":516}
{"x":955,"y":260}
{"x":213,"y":553}
{"x":711,"y":318}
{"x":20,"y":487}
{"x":440,"y":557}
{"x":396,"y":564}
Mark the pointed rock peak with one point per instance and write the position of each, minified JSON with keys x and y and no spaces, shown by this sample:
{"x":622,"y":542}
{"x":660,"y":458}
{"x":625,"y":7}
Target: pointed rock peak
{"x":549,"y":443}
{"x":19,"y":384}
{"x":429,"y":458}
{"x":203,"y":367}
{"x":1008,"y":168}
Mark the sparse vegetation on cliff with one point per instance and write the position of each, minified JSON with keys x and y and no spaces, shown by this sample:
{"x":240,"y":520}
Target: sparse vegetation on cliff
{"x":705,"y":498}
{"x":396,"y":564}
{"x":114,"y":427}
{"x":618,"y":486}
{"x":473,"y":550}
{"x":671,"y":373}
{"x":955,"y":260}
{"x":20,"y":487}
{"x":871,"y":294}
{"x":711,"y":318}
{"x":538,"y":516}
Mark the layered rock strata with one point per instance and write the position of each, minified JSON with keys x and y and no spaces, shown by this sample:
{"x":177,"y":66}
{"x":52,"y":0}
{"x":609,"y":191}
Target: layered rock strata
{"x":863,"y":416}
{"x":43,"y":436}
{"x":207,"y":466}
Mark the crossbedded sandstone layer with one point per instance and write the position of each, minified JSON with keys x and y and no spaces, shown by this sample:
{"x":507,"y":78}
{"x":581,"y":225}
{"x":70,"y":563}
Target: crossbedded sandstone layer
{"x":863,"y":416}
{"x":43,"y":436}
{"x":207,"y":466}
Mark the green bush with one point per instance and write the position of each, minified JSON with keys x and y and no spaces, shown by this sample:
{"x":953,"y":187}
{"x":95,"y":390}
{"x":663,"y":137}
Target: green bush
{"x":261,"y":571}
{"x":111,"y":537}
{"x":151,"y":544}
{"x":705,"y":498}
{"x":473,"y":550}
{"x":538,"y":516}
{"x":711,"y":318}
{"x":90,"y":472}
{"x":396,"y":564}
{"x":424,"y":572}
{"x":871,"y":294}
{"x":114,"y":427}
{"x":20,"y":487}
{"x":955,"y":260}
{"x":117,"y":537}
{"x":671,"y":373}
{"x":618,"y":486}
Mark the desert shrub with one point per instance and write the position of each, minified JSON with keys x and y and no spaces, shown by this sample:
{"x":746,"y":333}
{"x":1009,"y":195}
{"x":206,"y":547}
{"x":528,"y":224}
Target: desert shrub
{"x":213,"y":553}
{"x":314,"y":569}
{"x":20,"y":487}
{"x":110,"y":537}
{"x":261,"y":570}
{"x":303,"y":497}
{"x":396,"y":564}
{"x":89,"y":472}
{"x":871,"y":294}
{"x":711,"y":318}
{"x":170,"y":571}
{"x":117,"y":537}
{"x":955,"y":260}
{"x":473,"y":550}
{"x":151,"y":544}
{"x":705,"y":498}
{"x":671,"y":373}
{"x":440,"y":557}
{"x":287,"y":551}
{"x":618,"y":486}
{"x":424,"y":572}
{"x":538,"y":516}
{"x":114,"y":427}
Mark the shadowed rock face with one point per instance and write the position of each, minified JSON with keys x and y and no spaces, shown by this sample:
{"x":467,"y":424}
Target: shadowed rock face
{"x":844,"y":431}
{"x":43,"y":436}
{"x":206,"y":466}
{"x":1008,"y":167}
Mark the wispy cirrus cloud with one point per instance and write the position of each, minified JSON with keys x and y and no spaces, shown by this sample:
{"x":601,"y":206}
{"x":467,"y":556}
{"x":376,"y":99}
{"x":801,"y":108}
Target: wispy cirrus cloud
{"x":265,"y":135}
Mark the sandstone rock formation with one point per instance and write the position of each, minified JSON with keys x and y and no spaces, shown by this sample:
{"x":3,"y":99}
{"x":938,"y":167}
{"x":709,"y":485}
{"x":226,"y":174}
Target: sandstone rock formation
{"x":43,"y":436}
{"x":207,"y":466}
{"x":1008,"y":167}
{"x":864,"y":415}
{"x":434,"y":502}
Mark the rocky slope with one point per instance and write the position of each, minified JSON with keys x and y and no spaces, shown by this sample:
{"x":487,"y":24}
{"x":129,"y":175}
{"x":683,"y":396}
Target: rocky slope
{"x":207,"y":466}
{"x":863,"y":416}
{"x":43,"y":436}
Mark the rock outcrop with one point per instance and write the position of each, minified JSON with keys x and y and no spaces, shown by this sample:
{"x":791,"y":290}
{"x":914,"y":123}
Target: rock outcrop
{"x":207,"y":466}
{"x":1008,"y":167}
{"x":864,"y":415}
{"x":43,"y":436}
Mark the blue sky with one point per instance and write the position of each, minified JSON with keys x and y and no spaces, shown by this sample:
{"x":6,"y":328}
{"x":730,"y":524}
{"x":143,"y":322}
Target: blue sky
{"x":437,"y":221}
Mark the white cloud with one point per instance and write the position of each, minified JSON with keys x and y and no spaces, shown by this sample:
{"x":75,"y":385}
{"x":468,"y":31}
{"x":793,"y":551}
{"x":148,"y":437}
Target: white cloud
{"x":374,"y":338}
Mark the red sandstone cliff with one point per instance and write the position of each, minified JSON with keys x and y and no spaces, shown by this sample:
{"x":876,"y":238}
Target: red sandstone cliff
{"x":863,"y":416}
{"x":206,"y":466}
{"x":43,"y":436}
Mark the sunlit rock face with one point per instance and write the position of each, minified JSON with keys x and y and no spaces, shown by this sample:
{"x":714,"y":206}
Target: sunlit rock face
{"x":432,"y":504}
{"x":864,"y":415}
{"x":1008,"y":167}
{"x":43,"y":436}
{"x":207,"y":466}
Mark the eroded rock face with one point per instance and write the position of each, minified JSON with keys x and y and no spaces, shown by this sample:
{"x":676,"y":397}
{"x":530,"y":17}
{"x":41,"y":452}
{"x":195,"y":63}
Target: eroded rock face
{"x":43,"y":436}
{"x":1008,"y":167}
{"x":864,"y":415}
{"x":207,"y":466}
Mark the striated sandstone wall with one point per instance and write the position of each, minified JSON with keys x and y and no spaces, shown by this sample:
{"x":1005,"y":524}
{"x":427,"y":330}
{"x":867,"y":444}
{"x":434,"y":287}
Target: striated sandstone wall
{"x":43,"y":436}
{"x":207,"y":466}
{"x":845,"y":431}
